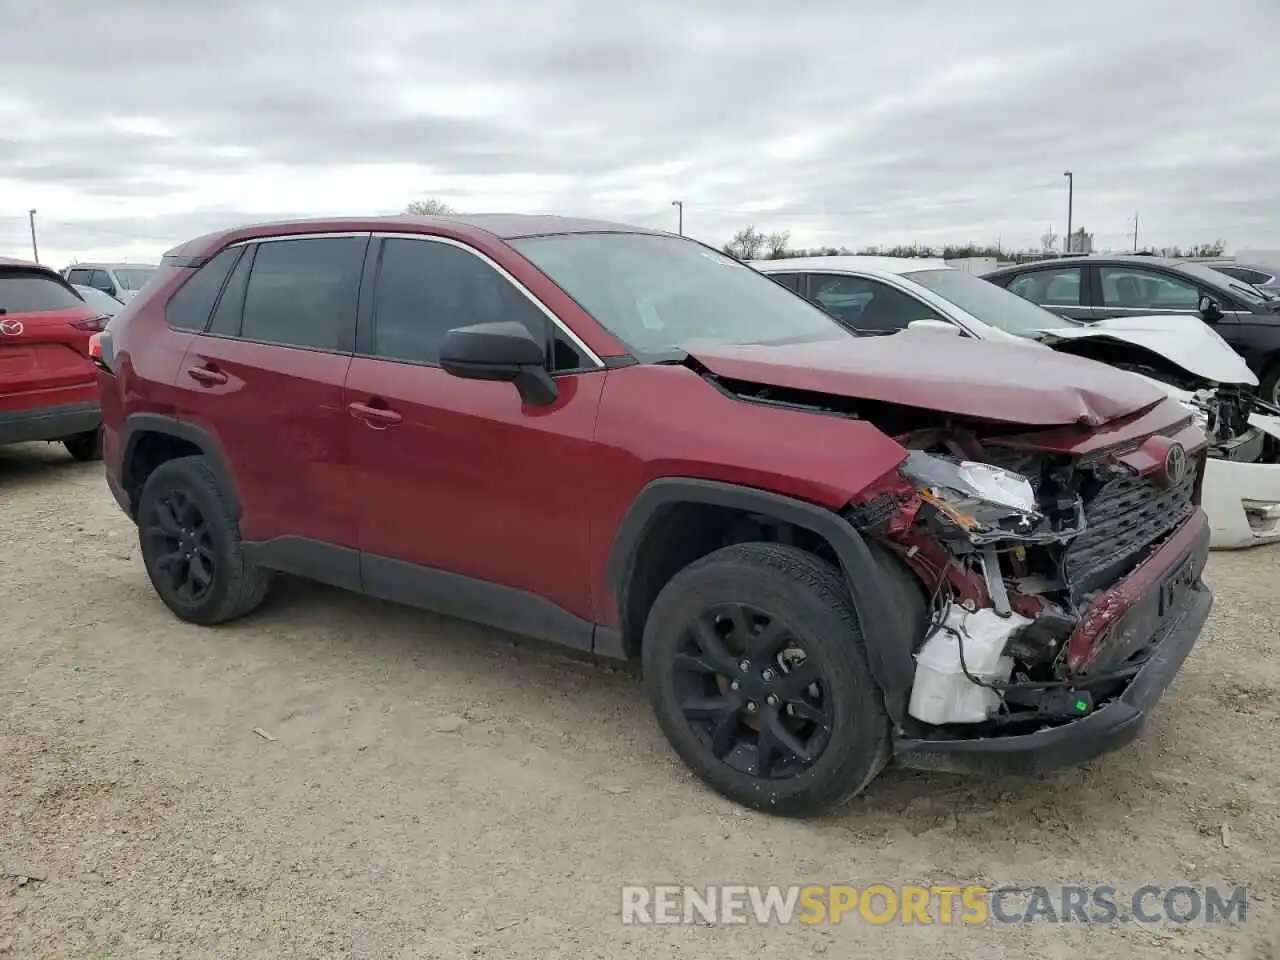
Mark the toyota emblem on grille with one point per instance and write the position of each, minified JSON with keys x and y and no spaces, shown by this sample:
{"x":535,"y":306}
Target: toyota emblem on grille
{"x":1175,"y":464}
{"x":10,"y":328}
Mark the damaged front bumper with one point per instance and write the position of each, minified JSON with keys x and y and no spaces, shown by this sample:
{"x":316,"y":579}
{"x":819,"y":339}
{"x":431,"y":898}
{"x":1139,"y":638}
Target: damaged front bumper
{"x":1136,"y":599}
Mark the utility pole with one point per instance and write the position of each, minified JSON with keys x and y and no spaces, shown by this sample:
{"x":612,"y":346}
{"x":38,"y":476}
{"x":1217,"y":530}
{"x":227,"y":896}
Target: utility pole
{"x":35,"y":251}
{"x":1135,"y":232}
{"x":1070,"y":192}
{"x":679,"y":205}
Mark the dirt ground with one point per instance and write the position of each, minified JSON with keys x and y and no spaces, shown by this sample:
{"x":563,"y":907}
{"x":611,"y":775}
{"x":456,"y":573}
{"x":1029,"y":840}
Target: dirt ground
{"x":438,"y":790}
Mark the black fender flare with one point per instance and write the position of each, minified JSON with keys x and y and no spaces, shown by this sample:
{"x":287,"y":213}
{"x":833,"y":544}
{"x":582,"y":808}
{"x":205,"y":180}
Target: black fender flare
{"x":137,"y":424}
{"x":889,"y":648}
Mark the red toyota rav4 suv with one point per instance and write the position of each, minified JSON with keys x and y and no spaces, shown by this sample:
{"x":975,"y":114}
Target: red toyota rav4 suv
{"x":827,"y":551}
{"x":48,"y":390}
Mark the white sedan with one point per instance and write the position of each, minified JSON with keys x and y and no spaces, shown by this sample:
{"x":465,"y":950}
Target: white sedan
{"x":1189,"y":360}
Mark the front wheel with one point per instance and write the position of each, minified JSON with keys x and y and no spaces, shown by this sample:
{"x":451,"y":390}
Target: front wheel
{"x":755,"y":666}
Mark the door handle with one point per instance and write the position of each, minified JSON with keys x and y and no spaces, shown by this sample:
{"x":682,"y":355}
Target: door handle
{"x":207,"y":377}
{"x":374,"y":416}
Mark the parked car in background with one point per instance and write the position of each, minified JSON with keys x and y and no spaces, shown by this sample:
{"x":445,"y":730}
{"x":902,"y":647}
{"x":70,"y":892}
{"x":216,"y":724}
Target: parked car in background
{"x":119,"y":280}
{"x":1185,"y":355}
{"x":104,"y":302}
{"x":1265,"y":278}
{"x":48,"y":388}
{"x":628,"y":442}
{"x":1098,"y":286}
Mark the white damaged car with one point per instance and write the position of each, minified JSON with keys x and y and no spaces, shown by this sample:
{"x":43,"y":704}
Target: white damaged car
{"x":1185,"y":356}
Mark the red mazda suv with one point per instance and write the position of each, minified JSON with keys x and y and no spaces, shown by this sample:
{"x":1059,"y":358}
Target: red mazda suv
{"x":48,"y":389}
{"x":827,"y":552}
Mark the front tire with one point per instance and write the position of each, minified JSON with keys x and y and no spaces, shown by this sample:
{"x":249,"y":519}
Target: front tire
{"x":755,"y":667}
{"x":85,"y":447}
{"x":191,"y":545}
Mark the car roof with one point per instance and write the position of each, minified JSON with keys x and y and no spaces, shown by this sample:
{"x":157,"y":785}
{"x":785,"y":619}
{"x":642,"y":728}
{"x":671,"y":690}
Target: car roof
{"x":490,"y":226}
{"x":1135,"y":259}
{"x":851,"y":264}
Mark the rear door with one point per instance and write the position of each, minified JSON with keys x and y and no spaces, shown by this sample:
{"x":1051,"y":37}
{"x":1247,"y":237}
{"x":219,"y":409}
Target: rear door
{"x":44,"y":342}
{"x":266,"y":380}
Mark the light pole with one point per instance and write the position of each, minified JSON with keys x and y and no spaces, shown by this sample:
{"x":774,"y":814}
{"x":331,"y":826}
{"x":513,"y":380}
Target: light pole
{"x":35,"y":252}
{"x":679,"y":205}
{"x":1070,"y":191}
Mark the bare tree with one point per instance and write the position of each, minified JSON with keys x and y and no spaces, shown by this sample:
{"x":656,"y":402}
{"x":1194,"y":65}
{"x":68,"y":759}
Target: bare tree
{"x":1048,"y":241}
{"x":746,"y":244}
{"x":777,"y":244}
{"x":431,"y":207}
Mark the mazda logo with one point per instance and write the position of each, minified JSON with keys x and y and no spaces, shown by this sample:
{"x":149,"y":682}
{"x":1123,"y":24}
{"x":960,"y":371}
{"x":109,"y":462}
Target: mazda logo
{"x":10,"y":328}
{"x":1175,"y":464}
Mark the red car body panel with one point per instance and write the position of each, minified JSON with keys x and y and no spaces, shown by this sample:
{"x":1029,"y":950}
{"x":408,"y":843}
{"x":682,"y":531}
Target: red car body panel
{"x":979,"y":379}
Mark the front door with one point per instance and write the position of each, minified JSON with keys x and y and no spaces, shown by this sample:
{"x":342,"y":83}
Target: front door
{"x":467,"y":500}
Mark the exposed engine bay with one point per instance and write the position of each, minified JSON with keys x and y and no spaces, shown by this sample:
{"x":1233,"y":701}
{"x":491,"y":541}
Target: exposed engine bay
{"x":1013,"y":548}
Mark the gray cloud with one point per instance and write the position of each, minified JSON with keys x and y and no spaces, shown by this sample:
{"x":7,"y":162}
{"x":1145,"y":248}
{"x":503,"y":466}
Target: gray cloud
{"x":917,"y":120}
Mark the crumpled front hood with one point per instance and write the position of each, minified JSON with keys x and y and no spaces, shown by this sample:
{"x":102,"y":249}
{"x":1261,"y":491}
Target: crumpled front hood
{"x":990,"y":381}
{"x":1184,"y":340}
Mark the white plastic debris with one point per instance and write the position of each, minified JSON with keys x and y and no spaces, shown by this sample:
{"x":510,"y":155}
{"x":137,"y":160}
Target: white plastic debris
{"x":942,"y":693}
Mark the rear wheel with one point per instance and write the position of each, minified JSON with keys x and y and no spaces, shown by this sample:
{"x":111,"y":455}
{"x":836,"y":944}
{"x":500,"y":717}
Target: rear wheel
{"x":85,"y":447}
{"x":755,"y":667}
{"x":191,"y":545}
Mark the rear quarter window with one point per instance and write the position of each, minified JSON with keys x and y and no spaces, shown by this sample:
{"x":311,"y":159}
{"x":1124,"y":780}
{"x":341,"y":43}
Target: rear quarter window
{"x":33,"y":291}
{"x":192,"y":303}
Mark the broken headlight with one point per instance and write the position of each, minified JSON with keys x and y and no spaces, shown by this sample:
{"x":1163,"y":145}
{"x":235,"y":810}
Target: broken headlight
{"x":987,"y":503}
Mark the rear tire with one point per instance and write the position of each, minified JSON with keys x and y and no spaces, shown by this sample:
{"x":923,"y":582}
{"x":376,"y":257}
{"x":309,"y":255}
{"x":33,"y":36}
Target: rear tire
{"x":736,"y":710}
{"x":191,"y":545}
{"x":85,"y":447}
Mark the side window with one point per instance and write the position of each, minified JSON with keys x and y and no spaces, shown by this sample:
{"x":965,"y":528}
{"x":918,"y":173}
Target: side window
{"x":301,"y":292}
{"x":1127,"y":287}
{"x":426,"y":288}
{"x":191,"y":304}
{"x":1245,"y":274}
{"x":79,"y":276}
{"x":1050,"y":288}
{"x":230,"y":308}
{"x":791,"y":281}
{"x":101,"y":280}
{"x":867,"y":305}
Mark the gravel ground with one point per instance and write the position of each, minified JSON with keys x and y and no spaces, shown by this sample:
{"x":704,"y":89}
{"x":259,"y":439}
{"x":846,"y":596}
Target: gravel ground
{"x":437,"y":790}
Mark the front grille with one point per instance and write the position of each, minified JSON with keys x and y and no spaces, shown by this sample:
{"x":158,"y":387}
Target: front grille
{"x":1122,"y":521}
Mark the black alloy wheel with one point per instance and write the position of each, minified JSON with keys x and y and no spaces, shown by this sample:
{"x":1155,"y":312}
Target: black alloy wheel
{"x":180,"y":540}
{"x":750,"y":693}
{"x":755,"y":665}
{"x":190,"y":540}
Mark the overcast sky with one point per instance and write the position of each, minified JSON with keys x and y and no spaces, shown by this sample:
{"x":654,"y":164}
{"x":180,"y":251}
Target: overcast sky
{"x":133,"y":125}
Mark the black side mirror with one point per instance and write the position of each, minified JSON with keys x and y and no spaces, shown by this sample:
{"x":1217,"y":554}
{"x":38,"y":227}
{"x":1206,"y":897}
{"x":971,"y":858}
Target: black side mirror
{"x":503,"y":351}
{"x":1209,"y":309}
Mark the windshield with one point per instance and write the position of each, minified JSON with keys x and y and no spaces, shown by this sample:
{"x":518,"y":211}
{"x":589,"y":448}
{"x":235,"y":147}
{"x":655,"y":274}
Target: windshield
{"x":1241,"y":291}
{"x":655,"y":292}
{"x":133,"y":278}
{"x":989,"y":303}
